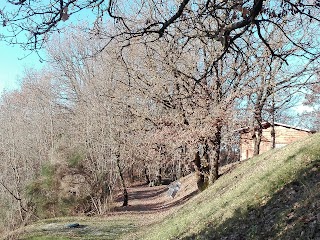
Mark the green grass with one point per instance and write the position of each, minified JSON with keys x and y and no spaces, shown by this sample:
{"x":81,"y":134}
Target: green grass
{"x":273,"y":196}
{"x":253,"y":201}
{"x":91,"y":228}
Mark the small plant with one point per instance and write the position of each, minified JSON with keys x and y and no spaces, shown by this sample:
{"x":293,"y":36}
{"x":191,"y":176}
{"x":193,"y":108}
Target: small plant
{"x":47,"y":173}
{"x":75,"y":159}
{"x":42,"y":192}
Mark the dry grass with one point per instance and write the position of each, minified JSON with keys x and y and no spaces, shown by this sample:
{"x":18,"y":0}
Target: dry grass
{"x":146,"y":206}
{"x":90,"y":228}
{"x":245,"y":203}
{"x":273,"y":196}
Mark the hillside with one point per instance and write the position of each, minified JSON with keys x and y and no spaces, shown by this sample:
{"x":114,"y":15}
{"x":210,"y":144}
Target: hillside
{"x":273,"y":196}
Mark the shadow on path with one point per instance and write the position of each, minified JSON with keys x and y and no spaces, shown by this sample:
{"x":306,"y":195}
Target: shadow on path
{"x":145,"y":199}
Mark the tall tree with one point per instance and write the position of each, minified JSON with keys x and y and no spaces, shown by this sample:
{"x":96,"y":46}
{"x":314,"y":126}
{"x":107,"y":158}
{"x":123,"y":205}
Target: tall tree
{"x":226,"y":22}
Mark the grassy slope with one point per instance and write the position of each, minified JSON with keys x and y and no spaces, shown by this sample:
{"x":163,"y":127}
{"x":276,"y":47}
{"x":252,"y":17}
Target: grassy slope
{"x":91,"y":228}
{"x":273,"y":196}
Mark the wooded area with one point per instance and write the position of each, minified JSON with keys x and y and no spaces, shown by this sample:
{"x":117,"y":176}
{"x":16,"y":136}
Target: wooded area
{"x":150,"y":90}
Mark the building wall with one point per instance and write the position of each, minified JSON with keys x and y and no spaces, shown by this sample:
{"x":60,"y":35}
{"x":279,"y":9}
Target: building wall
{"x":284,"y":136}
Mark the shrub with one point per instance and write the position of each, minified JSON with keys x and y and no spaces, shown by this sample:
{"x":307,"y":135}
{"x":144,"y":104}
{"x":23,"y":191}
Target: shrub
{"x":48,"y":196}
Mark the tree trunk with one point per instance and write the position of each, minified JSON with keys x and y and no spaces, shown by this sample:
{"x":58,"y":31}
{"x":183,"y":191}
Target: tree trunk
{"x":125,"y":192}
{"x":179,"y":172}
{"x":206,"y":163}
{"x":258,"y":129}
{"x":199,"y":173}
{"x":273,"y":136}
{"x":125,"y":198}
{"x":214,"y":161}
{"x":184,"y":165}
{"x":131,"y":173}
{"x":273,"y":132}
{"x":145,"y":171}
{"x":159,"y":177}
{"x":257,"y":142}
{"x":216,"y":140}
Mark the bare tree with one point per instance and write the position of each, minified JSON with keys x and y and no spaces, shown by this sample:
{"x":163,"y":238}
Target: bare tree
{"x":169,"y":76}
{"x":226,"y":22}
{"x":275,"y":88}
{"x":310,"y":118}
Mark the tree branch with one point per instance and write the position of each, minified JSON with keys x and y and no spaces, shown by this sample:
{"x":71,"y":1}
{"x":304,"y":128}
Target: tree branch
{"x":167,"y":23}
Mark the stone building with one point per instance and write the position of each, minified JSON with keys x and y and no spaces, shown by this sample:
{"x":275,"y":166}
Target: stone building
{"x":285,"y":134}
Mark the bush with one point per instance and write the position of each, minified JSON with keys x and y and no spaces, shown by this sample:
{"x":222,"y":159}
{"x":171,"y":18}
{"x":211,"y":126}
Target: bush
{"x":49,"y":197}
{"x":74,"y":160}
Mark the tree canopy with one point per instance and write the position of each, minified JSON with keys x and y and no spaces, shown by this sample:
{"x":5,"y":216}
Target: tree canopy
{"x":148,"y":89}
{"x":233,"y":24}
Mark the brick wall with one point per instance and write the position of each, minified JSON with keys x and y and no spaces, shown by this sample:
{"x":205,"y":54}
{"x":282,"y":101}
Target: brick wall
{"x":284,"y":136}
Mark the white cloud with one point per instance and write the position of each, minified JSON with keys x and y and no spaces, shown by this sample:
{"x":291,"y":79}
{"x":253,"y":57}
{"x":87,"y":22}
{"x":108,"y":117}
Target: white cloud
{"x":303,"y":108}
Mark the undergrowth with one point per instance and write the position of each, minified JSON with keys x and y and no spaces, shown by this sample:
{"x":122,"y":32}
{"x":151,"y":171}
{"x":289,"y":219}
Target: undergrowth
{"x":273,"y":196}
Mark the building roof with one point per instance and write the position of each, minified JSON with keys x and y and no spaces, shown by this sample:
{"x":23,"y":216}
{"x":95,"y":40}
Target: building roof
{"x":293,"y":127}
{"x":266,"y":125}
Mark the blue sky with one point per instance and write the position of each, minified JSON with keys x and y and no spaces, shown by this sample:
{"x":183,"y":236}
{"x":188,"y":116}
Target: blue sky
{"x":13,"y":59}
{"x":12,"y":65}
{"x":11,"y":68}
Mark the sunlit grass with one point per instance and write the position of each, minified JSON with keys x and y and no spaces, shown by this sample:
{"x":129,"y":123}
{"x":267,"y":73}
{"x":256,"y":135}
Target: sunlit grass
{"x":251,"y":185}
{"x":90,"y":228}
{"x":257,"y":190}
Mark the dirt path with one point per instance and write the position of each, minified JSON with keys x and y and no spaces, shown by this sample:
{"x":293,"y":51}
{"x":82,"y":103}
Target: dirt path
{"x":147,"y":206}
{"x":152,"y":201}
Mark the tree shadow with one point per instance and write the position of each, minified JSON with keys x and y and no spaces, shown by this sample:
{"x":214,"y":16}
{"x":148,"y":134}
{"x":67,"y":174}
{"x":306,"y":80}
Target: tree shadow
{"x":146,"y":193}
{"x":291,"y":213}
{"x":166,"y":204}
{"x":153,"y":207}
